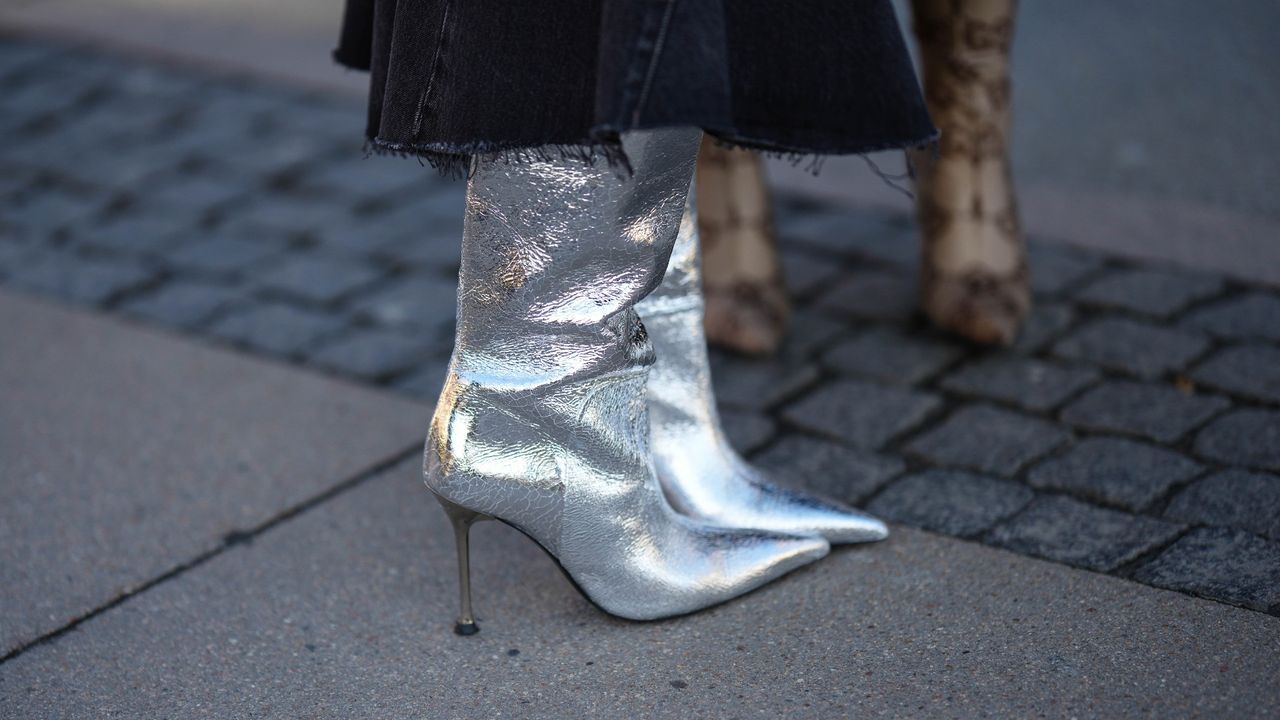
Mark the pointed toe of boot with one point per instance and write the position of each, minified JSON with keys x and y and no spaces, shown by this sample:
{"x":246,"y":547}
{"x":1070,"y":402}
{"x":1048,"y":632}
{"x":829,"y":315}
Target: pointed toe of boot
{"x":797,"y":512}
{"x":850,"y":526}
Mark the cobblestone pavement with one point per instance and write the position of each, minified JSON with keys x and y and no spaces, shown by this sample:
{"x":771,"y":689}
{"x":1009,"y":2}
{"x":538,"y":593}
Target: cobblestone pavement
{"x":1134,"y":429}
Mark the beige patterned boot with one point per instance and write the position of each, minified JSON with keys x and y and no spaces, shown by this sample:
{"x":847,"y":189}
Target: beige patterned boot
{"x":974,"y":272}
{"x":746,"y":301}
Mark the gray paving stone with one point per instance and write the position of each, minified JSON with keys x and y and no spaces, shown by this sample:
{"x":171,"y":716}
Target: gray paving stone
{"x":426,"y":381}
{"x":372,"y":176}
{"x":422,"y":230}
{"x":1222,"y":564}
{"x":318,"y":117}
{"x":318,"y":279}
{"x":14,"y":255}
{"x":747,"y":431}
{"x":16,"y":237}
{"x":227,"y":104}
{"x":128,"y":453}
{"x":288,"y":214}
{"x":17,"y":55}
{"x":184,"y":303}
{"x":1157,"y":412}
{"x":1032,"y":384}
{"x":12,"y":183}
{"x":442,"y":253}
{"x":861,"y":414}
{"x":757,"y":384}
{"x":147,"y":234}
{"x":276,"y":327}
{"x":110,"y":167}
{"x":1147,"y":351}
{"x":989,"y":440}
{"x":116,"y":122}
{"x":35,"y":99}
{"x":1255,"y":315}
{"x":1150,"y":291}
{"x":892,"y":356}
{"x":833,"y":470}
{"x":31,"y":140}
{"x":871,"y":295}
{"x":1112,"y":471}
{"x":1243,"y":437}
{"x":1249,"y":370}
{"x":416,"y":301}
{"x":1232,"y":498}
{"x":950,"y":501}
{"x":1043,"y":325}
{"x":47,"y":213}
{"x":205,"y":142}
{"x":13,"y":126}
{"x":374,"y":353}
{"x":76,"y":70}
{"x":863,"y":232}
{"x":79,"y":278}
{"x":225,"y":255}
{"x":194,"y":193}
{"x":808,"y":333}
{"x":803,"y":274}
{"x":360,"y":235}
{"x":436,"y":212}
{"x":151,"y":83}
{"x":268,"y":159}
{"x":1056,"y":267}
{"x":1071,"y":532}
{"x":897,"y":244}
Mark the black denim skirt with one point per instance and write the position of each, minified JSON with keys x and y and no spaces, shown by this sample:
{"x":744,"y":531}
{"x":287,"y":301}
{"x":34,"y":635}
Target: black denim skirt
{"x":453,"y":78}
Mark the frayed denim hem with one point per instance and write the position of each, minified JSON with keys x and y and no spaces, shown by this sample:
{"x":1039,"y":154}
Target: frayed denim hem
{"x":454,"y":159}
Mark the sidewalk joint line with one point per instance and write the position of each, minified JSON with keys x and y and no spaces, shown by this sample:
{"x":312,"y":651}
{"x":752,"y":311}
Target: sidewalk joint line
{"x":230,"y":540}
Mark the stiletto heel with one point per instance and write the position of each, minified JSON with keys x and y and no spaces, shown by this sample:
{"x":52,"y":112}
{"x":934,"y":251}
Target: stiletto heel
{"x":462,"y":520}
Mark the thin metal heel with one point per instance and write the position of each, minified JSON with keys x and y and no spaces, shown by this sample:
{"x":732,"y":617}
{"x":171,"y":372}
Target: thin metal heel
{"x":462,"y":520}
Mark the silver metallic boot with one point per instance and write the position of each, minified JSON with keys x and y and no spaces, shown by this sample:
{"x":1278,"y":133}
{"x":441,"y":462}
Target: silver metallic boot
{"x":701,"y":473}
{"x":542,"y":422}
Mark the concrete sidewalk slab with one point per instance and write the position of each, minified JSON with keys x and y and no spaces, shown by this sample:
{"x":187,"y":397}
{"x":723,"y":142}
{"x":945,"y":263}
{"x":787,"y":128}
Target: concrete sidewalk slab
{"x":346,"y":611}
{"x":125,"y":453}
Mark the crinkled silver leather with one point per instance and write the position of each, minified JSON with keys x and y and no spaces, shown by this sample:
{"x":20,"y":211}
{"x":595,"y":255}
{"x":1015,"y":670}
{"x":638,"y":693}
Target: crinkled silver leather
{"x":543,"y":420}
{"x":702,"y":474}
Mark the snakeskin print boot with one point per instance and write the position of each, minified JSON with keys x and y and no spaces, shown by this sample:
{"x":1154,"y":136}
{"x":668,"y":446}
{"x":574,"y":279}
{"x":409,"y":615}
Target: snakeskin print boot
{"x":974,"y":272}
{"x":746,"y":301}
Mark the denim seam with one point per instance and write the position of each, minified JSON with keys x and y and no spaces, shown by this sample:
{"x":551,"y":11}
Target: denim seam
{"x":431,"y":77}
{"x":658,"y":43}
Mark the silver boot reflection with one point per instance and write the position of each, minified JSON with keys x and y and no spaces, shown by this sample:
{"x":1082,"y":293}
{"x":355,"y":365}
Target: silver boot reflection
{"x":702,"y":474}
{"x":542,"y":422}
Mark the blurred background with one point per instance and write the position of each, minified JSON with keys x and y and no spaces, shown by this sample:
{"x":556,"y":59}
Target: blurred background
{"x":1138,"y":128}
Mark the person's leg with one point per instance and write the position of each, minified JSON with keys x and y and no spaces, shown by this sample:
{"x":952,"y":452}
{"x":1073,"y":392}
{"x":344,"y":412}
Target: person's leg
{"x":699,"y":470}
{"x":543,"y":421}
{"x":974,"y":273}
{"x":747,"y":307}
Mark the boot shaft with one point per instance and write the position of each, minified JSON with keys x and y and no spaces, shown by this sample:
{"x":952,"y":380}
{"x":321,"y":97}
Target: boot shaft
{"x":545,"y":396}
{"x":555,"y":256}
